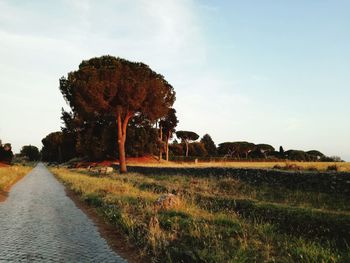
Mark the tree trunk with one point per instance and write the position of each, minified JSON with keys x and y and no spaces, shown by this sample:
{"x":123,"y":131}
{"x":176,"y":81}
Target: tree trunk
{"x":186,"y":148}
{"x":122,"y":125}
{"x":167,"y":151}
{"x":160,"y":143}
{"x":167,"y":147}
{"x":122,"y":161}
{"x":59,"y":154}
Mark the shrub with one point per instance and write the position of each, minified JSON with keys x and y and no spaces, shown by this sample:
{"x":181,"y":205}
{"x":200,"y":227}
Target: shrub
{"x":288,"y":166}
{"x":332,"y":167}
{"x":312,"y":169}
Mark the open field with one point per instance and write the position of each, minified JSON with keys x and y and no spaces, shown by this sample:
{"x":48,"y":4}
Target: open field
{"x":321,"y":166}
{"x":219,"y":219}
{"x":9,"y":175}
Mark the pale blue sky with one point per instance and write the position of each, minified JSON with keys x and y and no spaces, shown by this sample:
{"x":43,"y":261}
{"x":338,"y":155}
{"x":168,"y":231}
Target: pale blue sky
{"x":272,"y":72}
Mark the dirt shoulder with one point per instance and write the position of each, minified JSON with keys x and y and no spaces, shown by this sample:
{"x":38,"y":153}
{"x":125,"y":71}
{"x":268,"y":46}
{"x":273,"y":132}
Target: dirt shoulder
{"x":115,"y":239}
{"x":3,"y":195}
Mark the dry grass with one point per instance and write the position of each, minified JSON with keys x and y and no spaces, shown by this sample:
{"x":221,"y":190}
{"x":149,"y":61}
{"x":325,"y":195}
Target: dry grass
{"x":190,"y":232}
{"x":10,"y":175}
{"x":321,"y":166}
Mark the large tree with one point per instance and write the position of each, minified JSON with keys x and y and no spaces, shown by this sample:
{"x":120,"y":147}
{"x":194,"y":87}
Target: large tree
{"x":52,"y":147}
{"x":187,"y":137}
{"x":236,"y":149}
{"x":209,"y":145}
{"x":316,"y":155}
{"x":296,"y":155}
{"x":116,"y":87}
{"x":264,"y":149}
{"x":167,"y":125}
{"x":31,"y":152}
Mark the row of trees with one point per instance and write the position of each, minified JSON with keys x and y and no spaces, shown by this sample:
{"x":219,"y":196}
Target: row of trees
{"x":121,"y":108}
{"x":245,"y":150}
{"x":60,"y":147}
{"x":250,"y":150}
{"x":96,"y":140}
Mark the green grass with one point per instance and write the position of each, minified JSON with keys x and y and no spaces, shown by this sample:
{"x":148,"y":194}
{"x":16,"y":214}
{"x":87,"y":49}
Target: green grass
{"x":218,"y":219}
{"x":236,"y":189}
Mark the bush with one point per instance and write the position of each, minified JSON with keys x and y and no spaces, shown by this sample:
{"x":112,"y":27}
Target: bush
{"x":288,"y":166}
{"x":332,"y":168}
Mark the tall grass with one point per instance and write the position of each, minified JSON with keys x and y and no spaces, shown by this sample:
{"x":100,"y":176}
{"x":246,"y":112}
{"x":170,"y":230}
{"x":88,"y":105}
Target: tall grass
{"x":320,"y":166}
{"x":236,"y":189}
{"x":10,"y":175}
{"x":189,"y":232}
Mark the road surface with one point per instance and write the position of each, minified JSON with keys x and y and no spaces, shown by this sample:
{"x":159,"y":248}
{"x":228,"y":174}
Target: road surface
{"x":39,"y":223}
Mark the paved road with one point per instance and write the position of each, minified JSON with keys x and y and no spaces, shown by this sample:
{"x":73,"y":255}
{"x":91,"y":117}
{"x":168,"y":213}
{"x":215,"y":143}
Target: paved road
{"x":39,"y":223}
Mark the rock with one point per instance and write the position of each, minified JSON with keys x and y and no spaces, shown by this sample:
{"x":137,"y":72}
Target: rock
{"x":109,"y":170}
{"x":167,"y":201}
{"x":106,"y":170}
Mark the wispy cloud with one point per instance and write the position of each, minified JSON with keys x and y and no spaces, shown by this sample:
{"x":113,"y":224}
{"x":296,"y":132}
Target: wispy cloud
{"x":218,"y":56}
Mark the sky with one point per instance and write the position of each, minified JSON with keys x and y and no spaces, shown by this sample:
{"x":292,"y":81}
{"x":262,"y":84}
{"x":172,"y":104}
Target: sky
{"x":268,"y":71}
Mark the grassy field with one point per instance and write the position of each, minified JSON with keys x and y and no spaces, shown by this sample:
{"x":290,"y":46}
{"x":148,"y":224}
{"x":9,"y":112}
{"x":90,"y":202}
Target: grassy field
{"x":9,"y":175}
{"x":219,"y":219}
{"x":321,"y":166}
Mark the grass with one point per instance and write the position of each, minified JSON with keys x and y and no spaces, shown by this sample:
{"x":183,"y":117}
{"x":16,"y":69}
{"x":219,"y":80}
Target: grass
{"x":320,"y":166}
{"x":10,"y":175}
{"x":203,"y":229}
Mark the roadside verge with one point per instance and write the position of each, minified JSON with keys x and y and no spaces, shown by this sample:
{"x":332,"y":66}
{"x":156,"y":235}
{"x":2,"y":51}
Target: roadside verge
{"x":9,"y":176}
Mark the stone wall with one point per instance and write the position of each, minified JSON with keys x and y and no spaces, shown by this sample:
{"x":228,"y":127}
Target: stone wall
{"x":325,"y":182}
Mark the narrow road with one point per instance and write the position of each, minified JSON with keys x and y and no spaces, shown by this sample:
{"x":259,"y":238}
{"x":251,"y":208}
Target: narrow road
{"x":39,"y":223}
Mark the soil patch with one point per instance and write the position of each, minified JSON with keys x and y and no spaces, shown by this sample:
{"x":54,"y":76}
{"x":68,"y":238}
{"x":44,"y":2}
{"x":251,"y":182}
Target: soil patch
{"x":3,"y":196}
{"x":3,"y":165}
{"x":144,"y":159}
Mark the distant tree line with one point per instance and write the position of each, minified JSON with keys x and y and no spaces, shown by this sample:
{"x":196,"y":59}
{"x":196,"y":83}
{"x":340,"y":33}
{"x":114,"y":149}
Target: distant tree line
{"x":95,"y":140}
{"x":245,"y":151}
{"x":248,"y":150}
